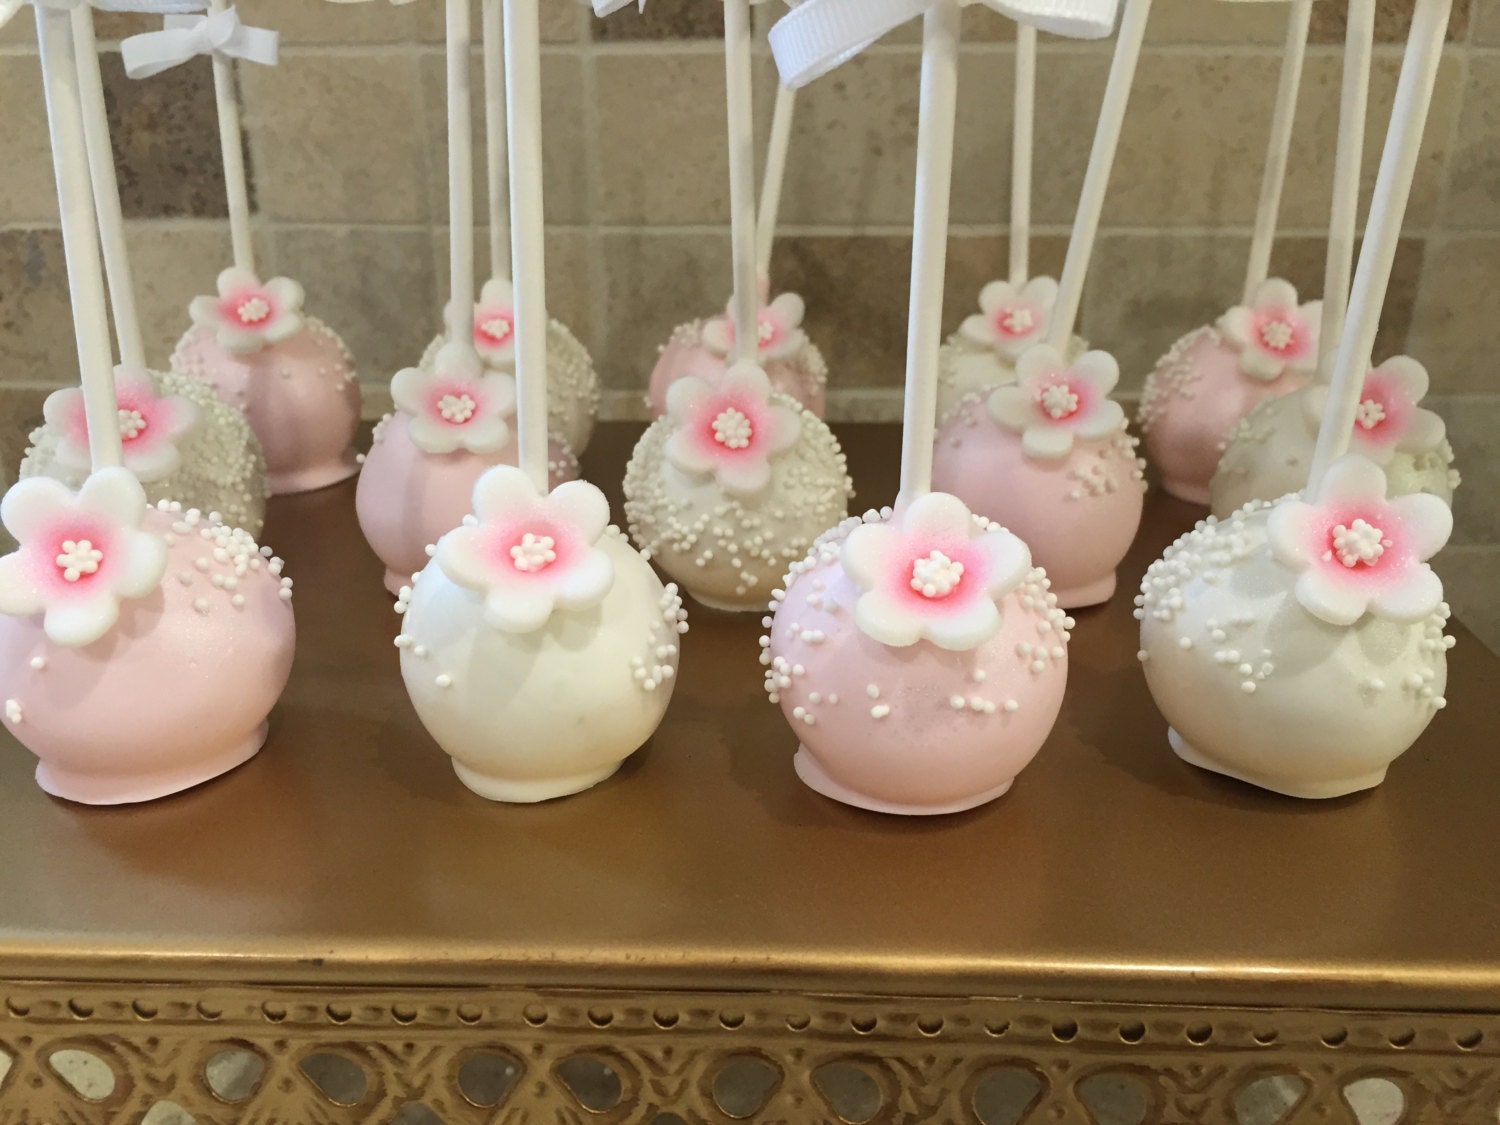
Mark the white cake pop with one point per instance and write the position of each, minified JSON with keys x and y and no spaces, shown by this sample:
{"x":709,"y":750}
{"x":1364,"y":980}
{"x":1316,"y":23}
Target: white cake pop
{"x":732,"y":486}
{"x":572,"y":382}
{"x":1049,"y":457}
{"x":453,"y":420}
{"x":181,"y":442}
{"x":925,"y":628}
{"x":1270,"y":451}
{"x":539,"y":649}
{"x":142,"y":648}
{"x":1299,"y":645}
{"x":1215,"y":375}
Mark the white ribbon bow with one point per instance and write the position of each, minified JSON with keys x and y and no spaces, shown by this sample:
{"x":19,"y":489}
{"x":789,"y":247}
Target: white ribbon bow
{"x":186,"y":37}
{"x":8,"y":8}
{"x":819,"y":35}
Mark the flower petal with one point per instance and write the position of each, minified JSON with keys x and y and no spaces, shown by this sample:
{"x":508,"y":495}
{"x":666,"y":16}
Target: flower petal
{"x":587,"y":581}
{"x":29,"y":503}
{"x":1328,"y":599}
{"x":995,"y":296}
{"x":783,"y":427}
{"x":1011,"y":407}
{"x":485,"y":433}
{"x":1238,"y":325}
{"x":979,"y":329}
{"x":1291,"y":533}
{"x":1041,"y":290}
{"x":718,"y":335}
{"x":748,"y":378}
{"x":287,"y":293}
{"x":502,"y":491}
{"x":1352,"y":477}
{"x":581,"y":506}
{"x":283,"y":326}
{"x":685,"y":396}
{"x":1038,"y":362}
{"x":498,"y":291}
{"x":57,"y":410}
{"x":115,"y":493}
{"x":142,"y":562}
{"x":81,"y":620}
{"x":688,"y":455}
{"x":239,"y":341}
{"x":512,"y":609}
{"x":938,"y":515}
{"x":1407,"y":374}
{"x":1047,"y":442}
{"x":204,"y":312}
{"x":235,"y":278}
{"x":887,"y":621}
{"x":744,"y":476}
{"x":789,"y":308}
{"x":1099,"y":369}
{"x":1277,"y":293}
{"x":1259,"y":364}
{"x":867,"y":553}
{"x":458,"y":361}
{"x":431,"y":437}
{"x":460,"y":554}
{"x":1426,"y":522}
{"x":1107,"y":417}
{"x":409,"y":389}
{"x":1425,"y":431}
{"x":499,"y":391}
{"x":959,"y":632}
{"x":153,"y":462}
{"x":1413,"y":598}
{"x":1007,"y":561}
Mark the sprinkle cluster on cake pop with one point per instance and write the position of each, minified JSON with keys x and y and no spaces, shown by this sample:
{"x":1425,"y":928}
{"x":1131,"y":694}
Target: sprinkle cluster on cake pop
{"x":1215,"y":375}
{"x":572,"y":381}
{"x":178,"y":438}
{"x":1049,"y":457}
{"x":1299,"y":645}
{"x":1269,"y":452}
{"x":919,"y":657}
{"x":732,"y":485}
{"x":142,"y":647}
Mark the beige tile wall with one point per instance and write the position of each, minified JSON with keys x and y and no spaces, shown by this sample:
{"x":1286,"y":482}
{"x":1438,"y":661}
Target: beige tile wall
{"x":346,"y":148}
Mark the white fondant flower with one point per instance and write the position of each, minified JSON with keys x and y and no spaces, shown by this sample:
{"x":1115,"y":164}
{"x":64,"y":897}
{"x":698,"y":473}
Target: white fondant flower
{"x":1357,"y":551}
{"x":1011,"y":320}
{"x":248,"y":315}
{"x":1274,"y":334}
{"x":932,"y":572}
{"x":495,"y":323}
{"x":529,"y":554}
{"x":1053,"y":402}
{"x":779,"y":325}
{"x":152,"y":426}
{"x":1388,"y":419}
{"x":458,"y":404}
{"x":730,"y":430}
{"x":80,"y":553}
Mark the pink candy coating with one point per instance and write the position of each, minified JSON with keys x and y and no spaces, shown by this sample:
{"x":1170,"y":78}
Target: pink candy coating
{"x":300,"y":397}
{"x":407,"y":498}
{"x":1078,"y":529}
{"x":937,"y":733}
{"x":1192,"y":400}
{"x":682,"y":356}
{"x":175,"y":694}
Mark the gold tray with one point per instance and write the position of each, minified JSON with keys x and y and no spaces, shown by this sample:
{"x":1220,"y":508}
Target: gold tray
{"x":1118,"y":914}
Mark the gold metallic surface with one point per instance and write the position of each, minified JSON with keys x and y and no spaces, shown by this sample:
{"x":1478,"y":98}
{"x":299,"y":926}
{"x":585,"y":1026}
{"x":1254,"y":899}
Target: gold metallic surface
{"x":347,"y":858}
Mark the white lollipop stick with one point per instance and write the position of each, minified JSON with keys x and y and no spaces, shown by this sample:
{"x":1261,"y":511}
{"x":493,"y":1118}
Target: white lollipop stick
{"x":1022,"y":145}
{"x":936,"y":115}
{"x":1299,"y":14}
{"x":460,"y":177}
{"x":775,"y":178}
{"x":1358,"y":41}
{"x":236,"y":188}
{"x":1398,"y":163}
{"x":1096,"y":178}
{"x":746,"y":303}
{"x":494,"y":138}
{"x":75,"y":205}
{"x":106,"y":190}
{"x":523,"y":96}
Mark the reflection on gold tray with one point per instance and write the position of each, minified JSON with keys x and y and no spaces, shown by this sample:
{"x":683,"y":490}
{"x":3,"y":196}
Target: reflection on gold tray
{"x":1118,"y":912}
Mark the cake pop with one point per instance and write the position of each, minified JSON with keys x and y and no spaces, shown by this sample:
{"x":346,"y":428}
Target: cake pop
{"x":1271,"y":448}
{"x":733,"y":485}
{"x":539,"y":649}
{"x":141,"y":648}
{"x":288,"y":372}
{"x":918,"y":655}
{"x":705,"y":349}
{"x":455,"y":411}
{"x":1265,"y":346}
{"x":1048,"y":455}
{"x":572,"y":382}
{"x":178,"y":438}
{"x":1299,"y":644}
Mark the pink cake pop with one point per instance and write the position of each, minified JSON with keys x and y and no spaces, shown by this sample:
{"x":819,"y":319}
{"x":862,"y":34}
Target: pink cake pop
{"x":1267,"y":345}
{"x":1049,"y":457}
{"x":141,"y":649}
{"x":251,"y":341}
{"x":451,"y":423}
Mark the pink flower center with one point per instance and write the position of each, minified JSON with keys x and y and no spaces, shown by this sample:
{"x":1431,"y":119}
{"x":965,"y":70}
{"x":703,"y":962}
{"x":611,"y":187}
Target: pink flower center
{"x":528,"y":547}
{"x":935,"y":575}
{"x":70,"y":555}
{"x":729,"y":425}
{"x":1383,"y":411}
{"x":78,"y":559}
{"x":1012,"y":322}
{"x":1060,"y":398}
{"x":247,"y":308}
{"x":132,"y":424}
{"x":1357,"y":543}
{"x":533,"y":553}
{"x":494,"y":327}
{"x":1280,"y":332}
{"x":732,"y":429}
{"x":454,"y":402}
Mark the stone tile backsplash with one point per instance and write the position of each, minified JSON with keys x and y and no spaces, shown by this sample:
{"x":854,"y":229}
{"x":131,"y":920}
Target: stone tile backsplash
{"x":346,"y":147}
